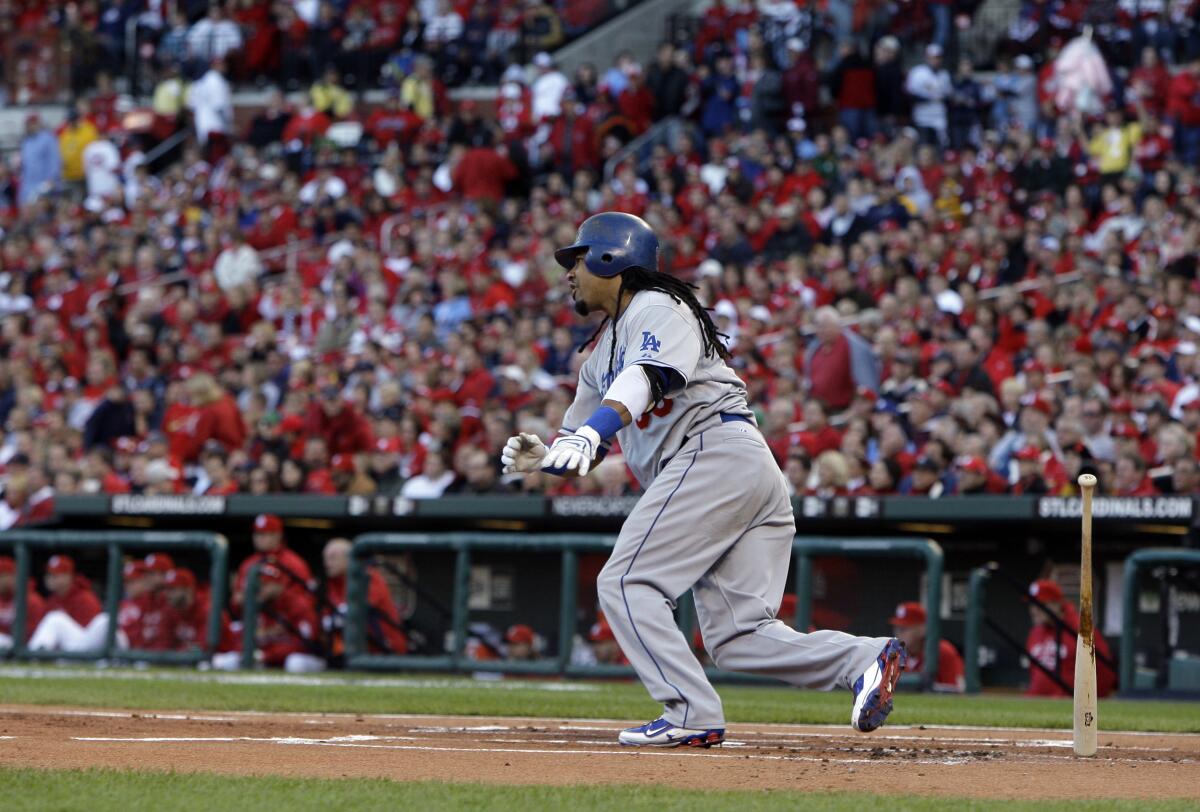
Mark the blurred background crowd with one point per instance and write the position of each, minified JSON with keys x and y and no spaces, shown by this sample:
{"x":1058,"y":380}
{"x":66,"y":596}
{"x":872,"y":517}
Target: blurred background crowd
{"x":942,"y":269}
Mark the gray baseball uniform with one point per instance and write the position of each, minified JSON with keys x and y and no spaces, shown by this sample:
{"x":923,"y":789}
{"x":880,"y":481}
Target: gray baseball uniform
{"x":716,"y":518}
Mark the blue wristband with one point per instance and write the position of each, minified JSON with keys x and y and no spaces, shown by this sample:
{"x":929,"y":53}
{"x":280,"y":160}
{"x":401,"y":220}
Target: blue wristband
{"x":606,"y":422}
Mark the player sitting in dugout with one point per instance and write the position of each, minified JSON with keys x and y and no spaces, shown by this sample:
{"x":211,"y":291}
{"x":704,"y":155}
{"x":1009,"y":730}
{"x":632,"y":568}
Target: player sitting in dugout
{"x":286,"y":635}
{"x":908,"y":626}
{"x":269,"y":545}
{"x":1045,"y":636}
{"x":384,"y":635}
{"x":34,"y":605}
{"x":75,"y":620}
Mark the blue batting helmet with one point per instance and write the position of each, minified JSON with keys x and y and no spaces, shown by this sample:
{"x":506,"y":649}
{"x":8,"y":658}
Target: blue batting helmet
{"x":611,"y":242}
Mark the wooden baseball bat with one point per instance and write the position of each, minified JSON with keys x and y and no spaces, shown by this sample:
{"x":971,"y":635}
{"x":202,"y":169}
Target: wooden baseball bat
{"x":1086,"y":723}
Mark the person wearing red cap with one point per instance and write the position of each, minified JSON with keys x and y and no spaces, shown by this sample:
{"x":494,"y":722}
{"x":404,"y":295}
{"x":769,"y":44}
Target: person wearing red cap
{"x":1054,"y":648}
{"x":908,"y":626}
{"x":269,"y":546}
{"x":74,"y":620}
{"x":338,"y":422}
{"x":605,"y":648}
{"x":383,"y":618}
{"x":287,"y":625}
{"x":35,"y":608}
{"x":139,"y":603}
{"x":522,"y":642}
{"x":1029,"y":472}
{"x":187,"y":608}
{"x":974,"y":477}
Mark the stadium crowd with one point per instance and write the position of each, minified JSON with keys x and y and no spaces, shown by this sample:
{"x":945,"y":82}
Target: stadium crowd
{"x":932,"y":283}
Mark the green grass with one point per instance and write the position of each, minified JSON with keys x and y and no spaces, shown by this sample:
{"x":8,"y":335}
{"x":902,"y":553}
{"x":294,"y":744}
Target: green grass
{"x":99,"y":790}
{"x":189,"y":690}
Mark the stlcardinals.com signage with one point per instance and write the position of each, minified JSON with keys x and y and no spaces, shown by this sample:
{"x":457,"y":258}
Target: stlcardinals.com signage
{"x":131,"y":504}
{"x":1148,"y":508}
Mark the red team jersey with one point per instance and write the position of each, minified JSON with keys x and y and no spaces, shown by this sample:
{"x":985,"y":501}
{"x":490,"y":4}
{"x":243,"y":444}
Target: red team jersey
{"x":950,"y":673}
{"x":80,"y":602}
{"x":35,"y":609}
{"x":379,"y":603}
{"x":1041,"y":644}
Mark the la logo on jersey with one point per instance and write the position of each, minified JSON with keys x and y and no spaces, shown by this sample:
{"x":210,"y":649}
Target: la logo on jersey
{"x":650,"y":343}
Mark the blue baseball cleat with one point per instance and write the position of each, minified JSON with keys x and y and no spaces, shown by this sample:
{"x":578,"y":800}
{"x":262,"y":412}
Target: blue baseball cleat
{"x":873,"y":690}
{"x":661,"y":733}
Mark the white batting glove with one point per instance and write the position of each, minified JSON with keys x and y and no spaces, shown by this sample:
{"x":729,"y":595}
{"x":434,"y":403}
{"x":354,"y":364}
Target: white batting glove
{"x":573,"y":453}
{"x":523,"y":453}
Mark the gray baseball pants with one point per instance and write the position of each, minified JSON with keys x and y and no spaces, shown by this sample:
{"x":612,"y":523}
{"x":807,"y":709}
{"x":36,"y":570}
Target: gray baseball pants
{"x":717,"y":520}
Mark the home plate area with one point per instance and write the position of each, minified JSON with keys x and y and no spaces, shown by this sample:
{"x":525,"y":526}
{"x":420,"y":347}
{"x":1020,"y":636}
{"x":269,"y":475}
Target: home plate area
{"x":952,"y":761}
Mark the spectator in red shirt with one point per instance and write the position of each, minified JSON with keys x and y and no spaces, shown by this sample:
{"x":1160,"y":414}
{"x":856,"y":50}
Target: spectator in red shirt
{"x":75,"y":620}
{"x":338,"y":423}
{"x":1130,"y":477}
{"x":384,"y":634}
{"x":1054,"y":648}
{"x":838,"y":362}
{"x":482,"y":173}
{"x":909,"y":626}
{"x":34,"y":606}
{"x":1183,"y":107}
{"x":269,"y":547}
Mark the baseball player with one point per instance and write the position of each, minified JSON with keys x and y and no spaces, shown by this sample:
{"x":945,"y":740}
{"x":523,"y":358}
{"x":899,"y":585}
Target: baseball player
{"x":715,"y":516}
{"x":34,"y":607}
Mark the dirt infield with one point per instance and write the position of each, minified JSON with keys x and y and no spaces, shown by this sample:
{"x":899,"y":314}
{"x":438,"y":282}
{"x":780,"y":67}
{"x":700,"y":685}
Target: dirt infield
{"x":980,"y":762}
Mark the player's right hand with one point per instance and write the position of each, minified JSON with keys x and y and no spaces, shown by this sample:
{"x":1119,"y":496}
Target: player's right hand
{"x":523,"y":453}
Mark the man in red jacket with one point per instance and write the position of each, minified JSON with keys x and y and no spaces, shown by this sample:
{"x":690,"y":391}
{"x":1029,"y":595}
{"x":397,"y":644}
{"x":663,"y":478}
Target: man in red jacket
{"x":187,"y":614}
{"x":74,"y":620}
{"x":482,"y":173}
{"x":1054,"y":647}
{"x":1183,"y":108}
{"x":383,"y":618}
{"x":269,"y":546}
{"x":287,"y":625}
{"x":908,"y":625}
{"x":139,"y":601}
{"x":338,"y":423}
{"x":34,"y":607}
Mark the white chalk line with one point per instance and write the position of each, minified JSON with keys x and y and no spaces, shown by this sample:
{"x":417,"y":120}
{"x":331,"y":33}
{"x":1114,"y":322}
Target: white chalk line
{"x":608,"y":726}
{"x":613,"y":749}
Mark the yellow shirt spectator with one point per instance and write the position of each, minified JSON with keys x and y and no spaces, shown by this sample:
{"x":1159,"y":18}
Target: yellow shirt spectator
{"x":1112,"y":147}
{"x":417,"y":93}
{"x":330,"y":97}
{"x":169,"y":96}
{"x":71,"y":143}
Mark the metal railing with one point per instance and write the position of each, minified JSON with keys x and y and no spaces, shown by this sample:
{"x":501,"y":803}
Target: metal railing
{"x":569,"y":546}
{"x":1134,"y":564}
{"x":115,"y":543}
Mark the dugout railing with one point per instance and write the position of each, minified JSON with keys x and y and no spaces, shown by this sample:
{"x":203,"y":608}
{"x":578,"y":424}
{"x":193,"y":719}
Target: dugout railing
{"x":977,"y":618}
{"x":115,"y":543}
{"x":1135,"y":564}
{"x":569,"y":547}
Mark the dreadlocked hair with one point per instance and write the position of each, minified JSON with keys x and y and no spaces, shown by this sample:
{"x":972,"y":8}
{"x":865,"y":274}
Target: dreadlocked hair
{"x":638,"y":279}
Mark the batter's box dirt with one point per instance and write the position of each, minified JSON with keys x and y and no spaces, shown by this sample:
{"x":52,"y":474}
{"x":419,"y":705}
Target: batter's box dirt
{"x":976,"y":762}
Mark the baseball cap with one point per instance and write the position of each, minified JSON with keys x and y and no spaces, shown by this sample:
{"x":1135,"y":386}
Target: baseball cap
{"x":7,"y":564}
{"x":387,"y":445}
{"x":972,"y":464}
{"x":158,"y":562}
{"x":909,"y":613}
{"x":180,"y":579}
{"x":343,"y":463}
{"x":925,"y":464}
{"x":133,"y":570}
{"x":1046,"y":591}
{"x":519,"y":633}
{"x":291,"y":424}
{"x":1029,"y":454}
{"x":60,"y":565}
{"x":710,"y":267}
{"x":268,"y":523}
{"x":269,"y":573}
{"x":601,"y":631}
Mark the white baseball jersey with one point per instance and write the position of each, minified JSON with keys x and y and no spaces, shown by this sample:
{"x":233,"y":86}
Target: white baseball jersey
{"x":657,"y":330}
